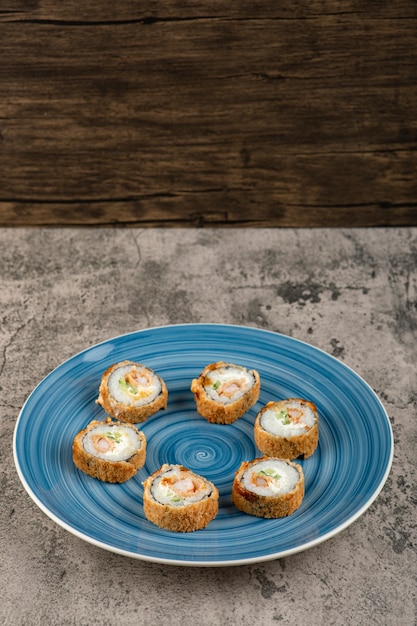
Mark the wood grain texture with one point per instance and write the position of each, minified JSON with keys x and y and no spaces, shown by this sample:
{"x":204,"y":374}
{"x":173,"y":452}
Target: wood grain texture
{"x":241,"y":113}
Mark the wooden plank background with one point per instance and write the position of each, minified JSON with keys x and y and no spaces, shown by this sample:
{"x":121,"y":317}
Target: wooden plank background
{"x":177,"y":113}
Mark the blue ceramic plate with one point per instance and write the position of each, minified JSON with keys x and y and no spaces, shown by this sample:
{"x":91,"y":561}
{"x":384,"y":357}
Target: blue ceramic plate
{"x":342,"y":477}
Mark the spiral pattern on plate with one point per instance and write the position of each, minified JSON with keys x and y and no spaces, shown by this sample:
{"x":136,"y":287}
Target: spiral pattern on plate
{"x":211,"y":450}
{"x":342,"y":477}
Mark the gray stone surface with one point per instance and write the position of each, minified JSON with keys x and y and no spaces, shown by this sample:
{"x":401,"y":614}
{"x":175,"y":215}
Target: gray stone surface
{"x":352,"y":293}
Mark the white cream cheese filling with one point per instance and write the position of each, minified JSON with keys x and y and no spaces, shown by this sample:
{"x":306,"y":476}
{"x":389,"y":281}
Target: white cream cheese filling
{"x":111,"y":442}
{"x":134,"y":385}
{"x":291,"y":420}
{"x":227,"y":384}
{"x":270,"y":477}
{"x":177,"y":487}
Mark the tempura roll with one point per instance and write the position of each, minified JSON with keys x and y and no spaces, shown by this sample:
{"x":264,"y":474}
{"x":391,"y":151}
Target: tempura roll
{"x":268,"y":487}
{"x":131,"y":392}
{"x":287,"y":429}
{"x":179,"y":500}
{"x":224,"y":392}
{"x":110,"y":451}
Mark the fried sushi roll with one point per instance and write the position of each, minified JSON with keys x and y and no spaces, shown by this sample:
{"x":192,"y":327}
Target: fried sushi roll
{"x":131,"y":392}
{"x":110,"y":451}
{"x":177,"y":499}
{"x":224,"y":392}
{"x":287,"y":429}
{"x":268,"y":487}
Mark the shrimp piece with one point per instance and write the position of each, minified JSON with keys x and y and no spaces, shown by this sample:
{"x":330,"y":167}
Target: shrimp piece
{"x":184,"y":486}
{"x":102,"y":444}
{"x":295,"y":415}
{"x":230,"y":387}
{"x":141,"y":377}
{"x":259,"y":481}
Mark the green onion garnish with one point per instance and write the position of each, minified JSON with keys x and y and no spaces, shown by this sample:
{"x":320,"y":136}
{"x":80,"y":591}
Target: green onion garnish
{"x":284,"y":416}
{"x":127,"y":386}
{"x":270,"y":472}
{"x":116,"y":436}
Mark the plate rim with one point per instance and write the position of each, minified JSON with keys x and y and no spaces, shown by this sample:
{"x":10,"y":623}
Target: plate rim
{"x":203,"y":563}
